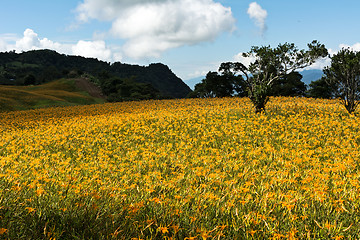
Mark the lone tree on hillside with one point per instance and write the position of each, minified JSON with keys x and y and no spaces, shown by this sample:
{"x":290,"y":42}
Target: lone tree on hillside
{"x":344,"y":71}
{"x":273,"y":63}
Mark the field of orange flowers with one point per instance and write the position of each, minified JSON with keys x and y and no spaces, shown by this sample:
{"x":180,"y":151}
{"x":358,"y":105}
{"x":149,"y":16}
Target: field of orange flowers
{"x":181,"y":169}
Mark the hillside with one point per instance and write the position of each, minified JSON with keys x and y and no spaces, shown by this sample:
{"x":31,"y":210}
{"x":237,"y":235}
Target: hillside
{"x":40,"y":66}
{"x":156,"y":170}
{"x":63,"y":92}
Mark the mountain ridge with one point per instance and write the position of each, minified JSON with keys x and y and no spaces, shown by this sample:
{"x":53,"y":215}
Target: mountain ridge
{"x":46,"y":65}
{"x":311,"y":75}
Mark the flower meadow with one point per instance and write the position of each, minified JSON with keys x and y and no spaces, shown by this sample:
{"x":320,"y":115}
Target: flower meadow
{"x":181,"y":169}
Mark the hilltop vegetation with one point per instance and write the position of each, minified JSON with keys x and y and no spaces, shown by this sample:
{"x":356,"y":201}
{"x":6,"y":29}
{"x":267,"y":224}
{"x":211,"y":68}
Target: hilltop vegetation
{"x":41,"y":66}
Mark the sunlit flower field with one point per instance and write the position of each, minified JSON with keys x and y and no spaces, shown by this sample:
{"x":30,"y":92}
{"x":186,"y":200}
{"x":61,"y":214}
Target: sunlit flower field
{"x":181,"y":169}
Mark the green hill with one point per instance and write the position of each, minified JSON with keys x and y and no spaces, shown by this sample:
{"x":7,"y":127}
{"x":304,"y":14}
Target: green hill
{"x":63,"y":92}
{"x":40,"y":66}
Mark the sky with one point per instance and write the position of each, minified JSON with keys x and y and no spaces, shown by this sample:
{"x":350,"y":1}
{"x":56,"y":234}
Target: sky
{"x":192,"y":37}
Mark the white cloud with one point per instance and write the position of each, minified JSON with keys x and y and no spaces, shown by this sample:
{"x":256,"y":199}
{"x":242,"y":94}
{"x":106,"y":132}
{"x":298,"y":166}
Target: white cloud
{"x":197,"y":74}
{"x":95,"y":49}
{"x":109,"y":10}
{"x":202,"y":70}
{"x":320,"y":64}
{"x":48,"y":44}
{"x":355,"y":47}
{"x":154,"y":26}
{"x":325,"y":62}
{"x":244,"y":60}
{"x":259,"y":15}
{"x":31,"y":41}
{"x":2,"y":45}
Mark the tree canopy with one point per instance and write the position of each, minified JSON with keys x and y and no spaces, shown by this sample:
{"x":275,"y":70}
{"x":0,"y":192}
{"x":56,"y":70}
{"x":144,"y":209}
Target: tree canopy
{"x":344,"y":71}
{"x":273,"y":63}
{"x":225,"y":84}
{"x":289,"y":85}
{"x":322,"y":89}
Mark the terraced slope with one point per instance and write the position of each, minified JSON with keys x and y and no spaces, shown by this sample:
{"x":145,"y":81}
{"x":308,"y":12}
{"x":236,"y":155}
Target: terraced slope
{"x":63,"y":92}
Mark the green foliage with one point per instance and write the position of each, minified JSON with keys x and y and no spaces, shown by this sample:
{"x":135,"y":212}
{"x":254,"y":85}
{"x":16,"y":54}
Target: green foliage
{"x":47,"y":65}
{"x":289,"y":85}
{"x":345,"y":73}
{"x":29,"y":80}
{"x":126,"y":89}
{"x":158,"y":75}
{"x":214,"y":85}
{"x":322,"y":89}
{"x":225,"y":84}
{"x":272,"y":64}
{"x":260,"y":97}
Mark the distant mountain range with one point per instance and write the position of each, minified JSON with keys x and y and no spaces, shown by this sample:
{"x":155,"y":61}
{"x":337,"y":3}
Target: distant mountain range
{"x":311,"y":75}
{"x":308,"y":77}
{"x":193,"y":81}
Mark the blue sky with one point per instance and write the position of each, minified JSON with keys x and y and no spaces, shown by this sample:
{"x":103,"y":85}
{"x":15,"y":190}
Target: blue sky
{"x":191,"y":36}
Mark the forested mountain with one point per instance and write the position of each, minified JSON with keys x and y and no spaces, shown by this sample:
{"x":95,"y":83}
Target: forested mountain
{"x":41,"y":66}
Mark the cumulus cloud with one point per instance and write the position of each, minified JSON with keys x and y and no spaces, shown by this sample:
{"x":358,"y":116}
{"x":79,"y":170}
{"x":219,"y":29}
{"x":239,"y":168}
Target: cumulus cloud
{"x":31,"y":41}
{"x":151,"y":27}
{"x":95,"y":49}
{"x":259,"y":15}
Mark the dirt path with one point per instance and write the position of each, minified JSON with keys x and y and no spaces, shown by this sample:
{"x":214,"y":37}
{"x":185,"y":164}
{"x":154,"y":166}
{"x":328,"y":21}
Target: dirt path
{"x":89,"y":87}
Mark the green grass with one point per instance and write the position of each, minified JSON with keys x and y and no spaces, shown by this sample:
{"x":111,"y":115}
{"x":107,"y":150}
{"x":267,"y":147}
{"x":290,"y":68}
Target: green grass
{"x":23,"y":65}
{"x":61,"y":92}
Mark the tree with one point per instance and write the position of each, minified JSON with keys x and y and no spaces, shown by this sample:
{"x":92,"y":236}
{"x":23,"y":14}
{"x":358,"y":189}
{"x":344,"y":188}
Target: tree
{"x":289,"y":85}
{"x":208,"y":86}
{"x":228,"y":71}
{"x":322,"y":89}
{"x":127,"y":89}
{"x":29,"y":80}
{"x":273,"y":63}
{"x":345,"y":72}
{"x":225,"y":84}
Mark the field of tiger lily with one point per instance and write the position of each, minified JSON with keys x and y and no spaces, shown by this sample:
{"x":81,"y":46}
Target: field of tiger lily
{"x":181,"y":169}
